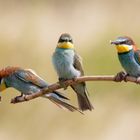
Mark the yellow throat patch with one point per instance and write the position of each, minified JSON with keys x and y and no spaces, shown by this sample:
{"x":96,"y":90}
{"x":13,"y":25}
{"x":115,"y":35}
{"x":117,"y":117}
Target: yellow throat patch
{"x":65,"y":45}
{"x":123,"y":48}
{"x":2,"y":86}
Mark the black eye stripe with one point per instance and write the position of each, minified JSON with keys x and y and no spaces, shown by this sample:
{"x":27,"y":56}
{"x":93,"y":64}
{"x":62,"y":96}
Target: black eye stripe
{"x":127,"y":42}
{"x":123,"y":42}
{"x":70,"y":40}
{"x":61,"y":40}
{"x":65,"y":39}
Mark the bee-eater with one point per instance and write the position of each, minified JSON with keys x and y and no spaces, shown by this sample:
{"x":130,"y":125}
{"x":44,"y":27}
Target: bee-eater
{"x":129,"y":55}
{"x":68,"y":65}
{"x":28,"y":82}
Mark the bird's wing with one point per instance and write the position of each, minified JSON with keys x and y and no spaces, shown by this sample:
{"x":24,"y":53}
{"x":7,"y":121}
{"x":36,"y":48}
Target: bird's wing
{"x":80,"y":88}
{"x":30,"y":76}
{"x":137,"y":56}
{"x":78,"y":63}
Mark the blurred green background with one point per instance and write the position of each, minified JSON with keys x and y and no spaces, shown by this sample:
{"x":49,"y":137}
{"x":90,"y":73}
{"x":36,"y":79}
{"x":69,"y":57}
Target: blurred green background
{"x":29,"y":31}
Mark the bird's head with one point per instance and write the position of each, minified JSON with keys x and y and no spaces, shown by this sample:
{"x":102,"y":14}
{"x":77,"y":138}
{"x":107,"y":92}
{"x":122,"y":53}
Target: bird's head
{"x":124,"y":44}
{"x":65,"y":41}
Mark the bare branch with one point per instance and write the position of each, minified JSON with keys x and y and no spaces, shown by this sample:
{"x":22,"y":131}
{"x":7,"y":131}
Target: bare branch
{"x":57,"y":86}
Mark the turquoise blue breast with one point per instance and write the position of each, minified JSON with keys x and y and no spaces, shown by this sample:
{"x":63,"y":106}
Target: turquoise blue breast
{"x":129,"y":63}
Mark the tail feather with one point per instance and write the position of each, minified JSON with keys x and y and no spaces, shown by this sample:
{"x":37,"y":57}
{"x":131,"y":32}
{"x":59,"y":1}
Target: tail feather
{"x":59,"y":100}
{"x":60,"y":95}
{"x":82,"y":96}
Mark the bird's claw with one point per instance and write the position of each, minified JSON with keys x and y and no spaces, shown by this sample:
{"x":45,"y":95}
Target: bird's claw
{"x":62,"y":84}
{"x":15,"y":100}
{"x":74,"y":79}
{"x":120,"y":77}
{"x":19,"y":99}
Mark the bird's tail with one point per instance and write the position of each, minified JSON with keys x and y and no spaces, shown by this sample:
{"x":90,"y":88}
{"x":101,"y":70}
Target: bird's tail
{"x":60,"y":101}
{"x":82,"y":95}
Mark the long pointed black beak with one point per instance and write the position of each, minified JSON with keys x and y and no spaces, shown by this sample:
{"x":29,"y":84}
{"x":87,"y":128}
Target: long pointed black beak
{"x":115,"y":42}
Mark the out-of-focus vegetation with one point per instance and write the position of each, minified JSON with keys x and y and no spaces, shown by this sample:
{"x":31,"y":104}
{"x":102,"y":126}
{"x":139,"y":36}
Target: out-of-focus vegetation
{"x":29,"y":30}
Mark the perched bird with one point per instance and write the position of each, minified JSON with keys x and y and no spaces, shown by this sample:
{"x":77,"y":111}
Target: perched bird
{"x":129,"y":56}
{"x":28,"y":82}
{"x":68,"y":65}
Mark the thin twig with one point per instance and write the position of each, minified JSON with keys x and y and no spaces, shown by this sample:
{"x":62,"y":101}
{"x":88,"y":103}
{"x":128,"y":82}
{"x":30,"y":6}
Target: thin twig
{"x":57,"y":86}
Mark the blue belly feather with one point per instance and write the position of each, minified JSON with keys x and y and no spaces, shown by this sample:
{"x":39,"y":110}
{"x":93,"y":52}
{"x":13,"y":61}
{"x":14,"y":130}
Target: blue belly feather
{"x":129,"y":63}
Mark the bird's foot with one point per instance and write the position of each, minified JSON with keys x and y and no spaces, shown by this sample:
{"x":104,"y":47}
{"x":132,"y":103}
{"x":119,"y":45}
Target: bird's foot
{"x":74,"y":79}
{"x":138,"y":80}
{"x":62,"y":84}
{"x":15,"y":99}
{"x":18,"y":99}
{"x":120,"y":77}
